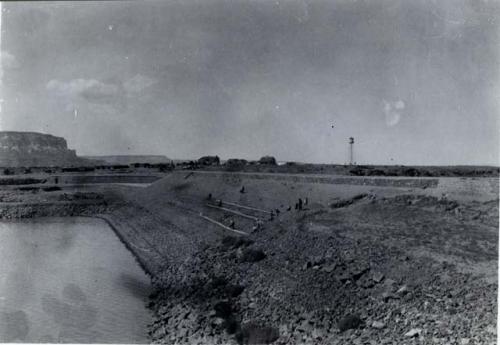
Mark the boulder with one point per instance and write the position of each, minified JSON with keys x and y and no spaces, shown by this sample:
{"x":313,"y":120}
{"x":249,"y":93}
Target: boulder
{"x":253,"y":333}
{"x":223,"y":309}
{"x":232,"y":242}
{"x":250,"y":255}
{"x":414,"y":332}
{"x":350,"y":321}
{"x":267,"y":160}
{"x":378,"y":324}
{"x":234,"y":163}
{"x":209,"y":160}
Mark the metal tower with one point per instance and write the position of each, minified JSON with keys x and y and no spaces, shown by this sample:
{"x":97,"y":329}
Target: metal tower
{"x":351,"y":150}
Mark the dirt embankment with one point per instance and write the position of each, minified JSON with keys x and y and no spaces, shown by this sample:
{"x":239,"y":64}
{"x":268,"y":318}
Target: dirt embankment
{"x":47,"y":200}
{"x":358,"y":264}
{"x":51,"y":210}
{"x":69,"y":194}
{"x":353,"y":264}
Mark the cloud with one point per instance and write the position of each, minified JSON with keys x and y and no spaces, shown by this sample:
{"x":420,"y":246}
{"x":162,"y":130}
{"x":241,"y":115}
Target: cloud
{"x":393,"y":111}
{"x":95,"y":95}
{"x":92,"y":90}
{"x":138,"y":83}
{"x":91,"y":94}
{"x":9,"y":61}
{"x":400,"y":105}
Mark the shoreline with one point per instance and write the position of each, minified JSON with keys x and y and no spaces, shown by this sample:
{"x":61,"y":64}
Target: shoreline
{"x":100,"y":211}
{"x":139,"y":259}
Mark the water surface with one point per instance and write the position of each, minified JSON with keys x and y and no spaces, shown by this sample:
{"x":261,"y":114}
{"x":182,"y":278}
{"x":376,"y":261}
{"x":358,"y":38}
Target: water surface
{"x":69,"y":280}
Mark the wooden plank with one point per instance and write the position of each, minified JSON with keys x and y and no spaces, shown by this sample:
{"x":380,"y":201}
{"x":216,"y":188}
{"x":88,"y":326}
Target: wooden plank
{"x":234,"y":212}
{"x":223,"y":226}
{"x":247,"y":207}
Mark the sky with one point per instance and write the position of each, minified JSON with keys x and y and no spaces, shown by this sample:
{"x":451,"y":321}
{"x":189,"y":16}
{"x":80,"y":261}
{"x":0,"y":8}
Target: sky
{"x":414,"y":82}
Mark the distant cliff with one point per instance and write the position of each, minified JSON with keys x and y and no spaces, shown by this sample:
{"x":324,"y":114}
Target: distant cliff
{"x":35,"y":149}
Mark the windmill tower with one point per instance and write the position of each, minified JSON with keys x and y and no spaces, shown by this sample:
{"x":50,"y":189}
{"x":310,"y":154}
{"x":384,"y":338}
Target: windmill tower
{"x":351,"y":150}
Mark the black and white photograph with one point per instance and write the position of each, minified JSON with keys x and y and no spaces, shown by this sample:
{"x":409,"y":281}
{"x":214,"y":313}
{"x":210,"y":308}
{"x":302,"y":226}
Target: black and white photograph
{"x":249,"y":172}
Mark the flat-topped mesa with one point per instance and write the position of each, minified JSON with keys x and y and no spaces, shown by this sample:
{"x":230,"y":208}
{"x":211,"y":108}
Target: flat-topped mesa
{"x":31,"y":141}
{"x":35,"y":149}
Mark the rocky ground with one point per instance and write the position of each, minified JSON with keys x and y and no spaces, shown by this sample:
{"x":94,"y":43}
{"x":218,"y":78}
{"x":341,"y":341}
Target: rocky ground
{"x":378,"y":267}
{"x":358,"y":272}
{"x":29,"y":201}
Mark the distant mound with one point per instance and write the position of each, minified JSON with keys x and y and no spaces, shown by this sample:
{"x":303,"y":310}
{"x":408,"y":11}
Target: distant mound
{"x":130,"y":159}
{"x":35,"y":149}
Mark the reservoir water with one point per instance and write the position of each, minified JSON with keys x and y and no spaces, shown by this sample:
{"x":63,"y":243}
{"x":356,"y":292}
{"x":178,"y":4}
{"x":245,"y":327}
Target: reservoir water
{"x":69,"y":280}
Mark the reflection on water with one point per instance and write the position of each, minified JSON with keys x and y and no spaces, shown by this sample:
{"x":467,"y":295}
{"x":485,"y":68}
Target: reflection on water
{"x":69,"y":280}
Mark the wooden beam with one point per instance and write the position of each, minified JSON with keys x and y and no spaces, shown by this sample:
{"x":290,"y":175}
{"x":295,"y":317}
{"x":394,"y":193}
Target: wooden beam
{"x":234,"y":212}
{"x":223,"y":226}
{"x":247,"y":207}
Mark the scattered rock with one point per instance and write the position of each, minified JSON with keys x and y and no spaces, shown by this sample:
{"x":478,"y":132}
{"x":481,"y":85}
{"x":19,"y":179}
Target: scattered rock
{"x":218,"y":322}
{"x":377,"y":277}
{"x":232,"y":242}
{"x":349,"y":322}
{"x":250,"y":255}
{"x":378,"y":324}
{"x":386,"y":296}
{"x":223,"y":309}
{"x":305,"y":326}
{"x":366,"y":283}
{"x":317,"y":260}
{"x":414,"y":332}
{"x":344,"y":277}
{"x":329,"y":268}
{"x":358,"y":273}
{"x":271,"y":299}
{"x":402,"y":290}
{"x":318,"y":334}
{"x":231,"y":325}
{"x":218,"y":282}
{"x":252,"y":333}
{"x":389,"y":282}
{"x":352,"y":275}
{"x":234,"y":290}
{"x":491,"y":329}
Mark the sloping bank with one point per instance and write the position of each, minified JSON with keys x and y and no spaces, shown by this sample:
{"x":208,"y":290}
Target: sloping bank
{"x":52,"y":209}
{"x":299,"y":279}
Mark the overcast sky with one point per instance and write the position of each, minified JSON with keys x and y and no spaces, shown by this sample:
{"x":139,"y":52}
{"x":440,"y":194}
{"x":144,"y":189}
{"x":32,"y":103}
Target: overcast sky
{"x":414,"y":82}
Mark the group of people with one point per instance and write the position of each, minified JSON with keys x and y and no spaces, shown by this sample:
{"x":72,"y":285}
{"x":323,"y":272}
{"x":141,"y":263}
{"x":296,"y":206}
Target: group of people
{"x":299,"y":205}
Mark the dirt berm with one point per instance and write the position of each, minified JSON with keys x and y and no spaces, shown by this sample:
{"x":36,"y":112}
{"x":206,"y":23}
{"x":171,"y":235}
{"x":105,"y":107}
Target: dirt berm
{"x":358,"y":261}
